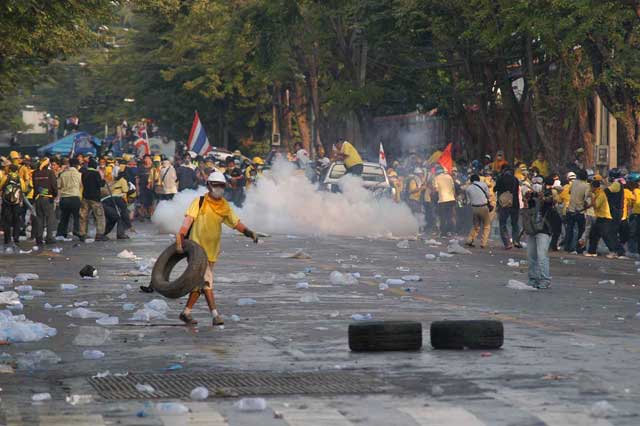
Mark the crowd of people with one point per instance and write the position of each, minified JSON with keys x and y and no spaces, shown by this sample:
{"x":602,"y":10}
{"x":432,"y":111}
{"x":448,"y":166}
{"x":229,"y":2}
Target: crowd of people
{"x":52,"y":198}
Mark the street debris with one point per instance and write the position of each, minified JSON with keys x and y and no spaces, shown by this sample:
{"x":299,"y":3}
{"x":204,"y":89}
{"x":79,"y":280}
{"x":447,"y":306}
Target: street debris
{"x":414,"y":278}
{"x":297,"y":276}
{"x":37,"y":360}
{"x":23,"y":288}
{"x":360,"y":317}
{"x":68,"y":287}
{"x":6,"y":280}
{"x":251,"y":404}
{"x":79,"y":399}
{"x":436,"y":390}
{"x":234,"y":318}
{"x":108,"y":321}
{"x":519,"y":285}
{"x":145,"y":388}
{"x":302,"y":286}
{"x":454,"y":247}
{"x":39,"y":397}
{"x":404,"y":244}
{"x":298,"y":254}
{"x":84,"y":313}
{"x":444,"y":255}
{"x":9,"y":298}
{"x":429,"y":256}
{"x":128,"y":306}
{"x":512,"y":263}
{"x":17,"y":328}
{"x":310,"y":298}
{"x":158,"y":305}
{"x":339,"y":278}
{"x":88,"y":271}
{"x":92,"y":336}
{"x":126,"y":254}
{"x":147,"y":315}
{"x":612,"y":282}
{"x":246,"y":301}
{"x":395,"y":281}
{"x":267,"y":279}
{"x":171,"y":409}
{"x":602,"y":409}
{"x":92,"y":354}
{"x":199,"y":394}
{"x":383,"y":286}
{"x":26,"y":277}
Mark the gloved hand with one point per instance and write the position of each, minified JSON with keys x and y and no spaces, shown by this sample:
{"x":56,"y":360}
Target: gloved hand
{"x":250,"y":234}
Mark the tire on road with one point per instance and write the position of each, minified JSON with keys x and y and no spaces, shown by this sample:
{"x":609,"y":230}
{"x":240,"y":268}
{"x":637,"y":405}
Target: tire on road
{"x":190,"y":278}
{"x":370,"y":336}
{"x":471,"y":334}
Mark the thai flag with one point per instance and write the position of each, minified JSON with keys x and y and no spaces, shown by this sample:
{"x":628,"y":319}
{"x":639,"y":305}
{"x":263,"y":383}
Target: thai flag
{"x":198,"y":141}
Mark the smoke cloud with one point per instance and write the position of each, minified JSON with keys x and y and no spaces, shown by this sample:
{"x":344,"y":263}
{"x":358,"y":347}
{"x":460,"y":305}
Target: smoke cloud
{"x":285,"y":202}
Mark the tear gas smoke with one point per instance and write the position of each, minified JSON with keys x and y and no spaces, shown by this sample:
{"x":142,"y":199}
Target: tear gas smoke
{"x":284,"y":201}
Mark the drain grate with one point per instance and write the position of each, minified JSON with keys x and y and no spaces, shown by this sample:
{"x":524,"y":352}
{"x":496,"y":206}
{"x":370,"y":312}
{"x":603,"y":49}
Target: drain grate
{"x":238,"y":384}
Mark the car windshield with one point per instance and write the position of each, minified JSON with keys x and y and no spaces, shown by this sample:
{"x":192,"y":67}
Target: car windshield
{"x":370,"y":173}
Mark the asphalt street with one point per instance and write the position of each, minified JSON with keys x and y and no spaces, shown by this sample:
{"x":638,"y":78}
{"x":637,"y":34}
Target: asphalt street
{"x":566,"y":348}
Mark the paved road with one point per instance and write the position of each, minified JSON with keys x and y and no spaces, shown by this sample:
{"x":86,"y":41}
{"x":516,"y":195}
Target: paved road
{"x":565,"y":348}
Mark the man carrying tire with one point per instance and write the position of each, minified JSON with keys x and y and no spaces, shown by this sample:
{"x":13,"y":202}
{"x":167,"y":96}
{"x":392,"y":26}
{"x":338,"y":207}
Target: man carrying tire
{"x":203,"y":225}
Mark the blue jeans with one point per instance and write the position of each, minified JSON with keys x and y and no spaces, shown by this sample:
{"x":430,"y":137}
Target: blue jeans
{"x":538,"y":258}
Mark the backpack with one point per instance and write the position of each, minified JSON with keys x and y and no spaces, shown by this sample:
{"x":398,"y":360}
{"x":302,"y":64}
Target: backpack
{"x":12,"y":193}
{"x":533,"y":221}
{"x":505,"y":200}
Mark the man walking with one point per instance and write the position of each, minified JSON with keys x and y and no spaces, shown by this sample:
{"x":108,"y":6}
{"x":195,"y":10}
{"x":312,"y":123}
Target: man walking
{"x":579,"y":197}
{"x":478,"y":197}
{"x":12,"y":188}
{"x":91,"y":184}
{"x":115,"y":207}
{"x":446,"y":190}
{"x":538,"y":204}
{"x":203,"y":225}
{"x":46,"y":190}
{"x":70,"y":190}
{"x":507,"y":189}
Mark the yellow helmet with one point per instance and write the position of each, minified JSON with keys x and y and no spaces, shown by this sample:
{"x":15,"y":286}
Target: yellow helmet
{"x":258,"y":161}
{"x":14,"y":155}
{"x":157,"y":158}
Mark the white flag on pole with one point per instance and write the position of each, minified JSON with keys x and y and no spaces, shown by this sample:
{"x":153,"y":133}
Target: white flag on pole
{"x":383,"y":158}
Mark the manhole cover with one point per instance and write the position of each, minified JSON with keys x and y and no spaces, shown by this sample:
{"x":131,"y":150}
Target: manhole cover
{"x":237,"y":384}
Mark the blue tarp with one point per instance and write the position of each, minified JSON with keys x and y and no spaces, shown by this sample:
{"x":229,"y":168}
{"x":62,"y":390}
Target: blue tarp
{"x":79,"y":143}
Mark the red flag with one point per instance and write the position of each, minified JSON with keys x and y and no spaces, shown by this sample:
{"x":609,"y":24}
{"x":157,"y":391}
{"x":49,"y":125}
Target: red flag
{"x":446,"y":160}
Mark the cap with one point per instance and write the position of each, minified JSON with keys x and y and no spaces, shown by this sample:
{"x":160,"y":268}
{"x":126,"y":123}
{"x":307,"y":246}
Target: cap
{"x":571,"y":176}
{"x":14,"y":155}
{"x":216,"y":177}
{"x":157,"y":158}
{"x":579,"y":150}
{"x":258,"y":160}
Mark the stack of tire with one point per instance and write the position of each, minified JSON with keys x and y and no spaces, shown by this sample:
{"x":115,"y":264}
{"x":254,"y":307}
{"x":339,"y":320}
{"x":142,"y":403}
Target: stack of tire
{"x":371,"y":336}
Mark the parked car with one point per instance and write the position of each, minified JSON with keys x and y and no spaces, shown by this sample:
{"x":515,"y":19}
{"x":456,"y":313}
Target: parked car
{"x":374,"y":178}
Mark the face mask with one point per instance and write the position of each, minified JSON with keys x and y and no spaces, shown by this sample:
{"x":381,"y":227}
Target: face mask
{"x":557,"y":183}
{"x":537,"y":187}
{"x":216,"y":192}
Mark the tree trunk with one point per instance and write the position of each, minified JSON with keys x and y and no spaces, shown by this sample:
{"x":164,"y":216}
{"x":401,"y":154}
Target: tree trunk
{"x":299,"y":108}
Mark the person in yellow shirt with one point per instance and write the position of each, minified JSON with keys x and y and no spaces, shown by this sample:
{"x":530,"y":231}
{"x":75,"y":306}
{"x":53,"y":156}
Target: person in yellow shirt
{"x":499,"y":162}
{"x":351,"y":157}
{"x":628,"y":201}
{"x":396,"y":184}
{"x":541,"y":164}
{"x":415,"y":188}
{"x":602,"y":226}
{"x":12,"y":189}
{"x":203,"y":225}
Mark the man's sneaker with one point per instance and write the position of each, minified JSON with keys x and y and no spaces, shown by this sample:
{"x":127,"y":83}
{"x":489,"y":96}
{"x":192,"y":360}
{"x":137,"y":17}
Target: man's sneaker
{"x":188,"y":319}
{"x":509,"y":247}
{"x":517,"y":245}
{"x":101,"y":237}
{"x":469,"y":244}
{"x":611,"y":256}
{"x":590,"y":255}
{"x":623,"y":257}
{"x":218,"y":320}
{"x":123,"y":237}
{"x":574,"y":252}
{"x":543,"y":286}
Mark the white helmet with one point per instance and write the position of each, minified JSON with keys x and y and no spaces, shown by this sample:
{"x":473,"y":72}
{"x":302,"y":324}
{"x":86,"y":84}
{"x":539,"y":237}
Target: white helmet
{"x":216,"y":177}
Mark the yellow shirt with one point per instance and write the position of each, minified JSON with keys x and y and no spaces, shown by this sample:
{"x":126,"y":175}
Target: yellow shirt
{"x":628,"y":203}
{"x":542,"y":166}
{"x":414,"y":189}
{"x":352,"y":157}
{"x":207,"y":225}
{"x":601,"y":205}
{"x":445,"y":186}
{"x":565,"y":197}
{"x":636,"y":204}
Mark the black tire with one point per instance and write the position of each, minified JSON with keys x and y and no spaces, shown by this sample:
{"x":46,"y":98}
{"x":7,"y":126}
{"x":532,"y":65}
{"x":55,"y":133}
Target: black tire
{"x":474,"y":334}
{"x":190,"y":278}
{"x":371,"y":336}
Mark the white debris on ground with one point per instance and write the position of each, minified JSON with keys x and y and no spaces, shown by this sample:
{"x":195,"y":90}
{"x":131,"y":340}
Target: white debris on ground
{"x":267,"y":279}
{"x":429,"y":256}
{"x":339,"y":278}
{"x":92,"y":336}
{"x":383,"y":286}
{"x":298,"y":254}
{"x":444,"y":255}
{"x":414,"y":278}
{"x":108,"y":321}
{"x":432,"y":242}
{"x":68,"y":287}
{"x":171,"y":409}
{"x":297,"y":275}
{"x":37,"y":359}
{"x":360,"y":317}
{"x":26,"y":277}
{"x":454,"y":247}
{"x":6,"y":280}
{"x":512,"y":263}
{"x":39,"y":397}
{"x":23,"y":288}
{"x":126,"y":254}
{"x":199,"y":394}
{"x":84,"y":313}
{"x":602,"y":409}
{"x":310,"y":298}
{"x":92,"y":354}
{"x":144,"y":388}
{"x":519,"y":285}
{"x":246,"y":301}
{"x":302,"y":286}
{"x":395,"y":281}
{"x":612,"y":282}
{"x":251,"y":404}
{"x":17,"y":328}
{"x":404,"y":244}
{"x":9,"y":298}
{"x":128,"y":306}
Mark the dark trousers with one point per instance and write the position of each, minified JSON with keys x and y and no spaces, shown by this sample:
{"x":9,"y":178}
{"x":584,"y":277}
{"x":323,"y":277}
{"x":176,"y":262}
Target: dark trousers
{"x":574,"y":219}
{"x":614,"y":237}
{"x":634,"y":221}
{"x":355,"y":170}
{"x":45,"y":218}
{"x":602,"y":228}
{"x":624,"y":234}
{"x":69,"y":208}
{"x":115,"y":212}
{"x":429,"y":217}
{"x":447,"y":216}
{"x":11,"y":222}
{"x":556,"y":229}
{"x":509,"y":213}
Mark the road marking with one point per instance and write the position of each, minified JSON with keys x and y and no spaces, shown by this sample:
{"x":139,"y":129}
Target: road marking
{"x":551,"y":412}
{"x":201,"y":415}
{"x":72,"y":420}
{"x":313,"y":417}
{"x":442,"y":416}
